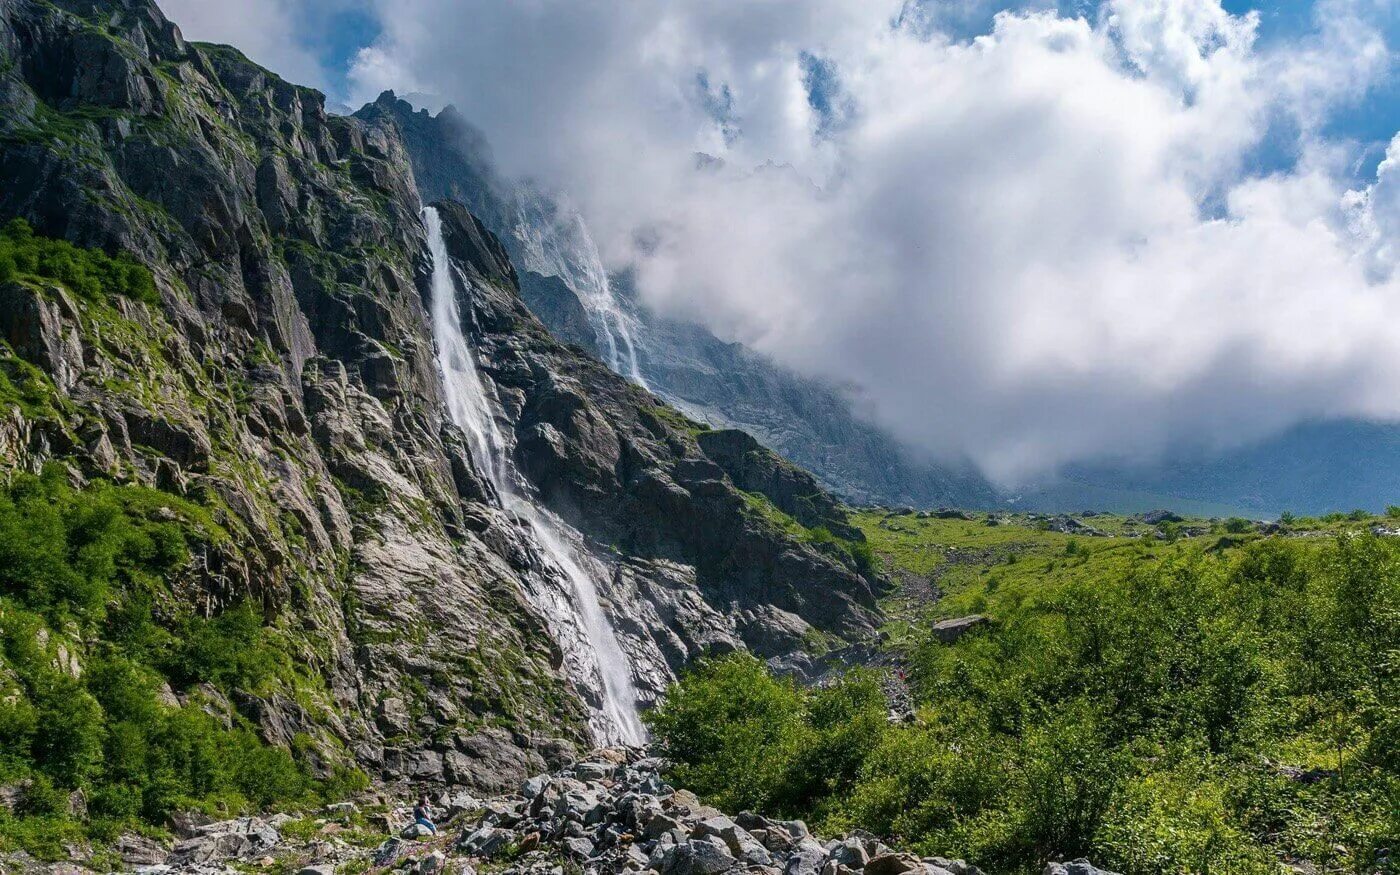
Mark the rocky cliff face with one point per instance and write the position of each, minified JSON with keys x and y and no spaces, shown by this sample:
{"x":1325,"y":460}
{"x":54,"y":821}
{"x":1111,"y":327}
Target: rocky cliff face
{"x":286,"y":381}
{"x":721,"y":384}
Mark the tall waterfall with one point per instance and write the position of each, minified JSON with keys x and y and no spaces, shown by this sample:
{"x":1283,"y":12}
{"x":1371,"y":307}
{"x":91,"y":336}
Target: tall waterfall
{"x":470,"y":406}
{"x":555,"y":241}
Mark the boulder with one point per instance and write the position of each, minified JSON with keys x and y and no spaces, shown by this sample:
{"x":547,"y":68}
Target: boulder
{"x":388,"y":852}
{"x":431,"y":864}
{"x":225,"y":840}
{"x":806,"y":859}
{"x":892,"y":864}
{"x":850,"y":853}
{"x":138,"y":850}
{"x":579,"y":847}
{"x":1075,"y":867}
{"x":952,"y":867}
{"x":739,"y":842}
{"x":696,"y":857}
{"x":949,"y":631}
{"x":593,"y":771}
{"x":485,"y":842}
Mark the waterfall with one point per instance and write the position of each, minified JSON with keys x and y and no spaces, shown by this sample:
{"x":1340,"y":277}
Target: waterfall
{"x":555,"y":241}
{"x":471,"y":408}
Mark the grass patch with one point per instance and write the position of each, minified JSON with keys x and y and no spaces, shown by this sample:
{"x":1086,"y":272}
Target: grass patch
{"x":90,"y":273}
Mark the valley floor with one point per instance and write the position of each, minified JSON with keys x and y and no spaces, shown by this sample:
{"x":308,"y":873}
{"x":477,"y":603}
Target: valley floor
{"x":1157,"y":693}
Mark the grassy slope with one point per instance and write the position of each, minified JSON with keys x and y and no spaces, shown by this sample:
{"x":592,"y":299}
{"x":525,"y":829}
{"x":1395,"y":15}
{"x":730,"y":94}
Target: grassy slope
{"x":977,"y":567}
{"x":1213,"y":696}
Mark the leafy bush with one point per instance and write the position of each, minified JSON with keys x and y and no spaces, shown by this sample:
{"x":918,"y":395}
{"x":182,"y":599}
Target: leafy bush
{"x":90,"y":273}
{"x":1141,"y":717}
{"x":732,"y":730}
{"x":228,"y":651}
{"x":92,"y":563}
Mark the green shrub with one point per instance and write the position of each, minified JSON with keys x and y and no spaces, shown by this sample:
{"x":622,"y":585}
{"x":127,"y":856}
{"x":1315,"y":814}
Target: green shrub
{"x":863,"y":555}
{"x":81,"y":572}
{"x":1135,"y":715}
{"x":69,"y":746}
{"x":90,"y":273}
{"x":41,"y":798}
{"x":1178,"y":821}
{"x":1238,"y":525}
{"x":229,"y":650}
{"x":731,"y":729}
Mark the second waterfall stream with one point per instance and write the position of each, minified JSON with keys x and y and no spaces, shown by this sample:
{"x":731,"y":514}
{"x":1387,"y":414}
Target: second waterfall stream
{"x":471,"y":408}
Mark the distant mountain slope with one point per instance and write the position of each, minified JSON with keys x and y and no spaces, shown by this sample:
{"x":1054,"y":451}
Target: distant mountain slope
{"x":1313,"y":468}
{"x":722,"y":384}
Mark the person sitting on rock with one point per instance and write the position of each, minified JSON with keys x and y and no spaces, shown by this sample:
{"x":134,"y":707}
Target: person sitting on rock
{"x":423,"y":814}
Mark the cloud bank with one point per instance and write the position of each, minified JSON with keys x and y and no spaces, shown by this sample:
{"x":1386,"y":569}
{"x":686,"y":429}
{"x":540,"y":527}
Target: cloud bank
{"x":1040,"y":244}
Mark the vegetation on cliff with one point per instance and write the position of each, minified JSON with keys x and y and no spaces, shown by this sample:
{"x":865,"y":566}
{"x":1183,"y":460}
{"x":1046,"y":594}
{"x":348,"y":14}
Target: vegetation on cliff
{"x":1214,"y":705}
{"x":113,"y":694}
{"x":89,"y":272}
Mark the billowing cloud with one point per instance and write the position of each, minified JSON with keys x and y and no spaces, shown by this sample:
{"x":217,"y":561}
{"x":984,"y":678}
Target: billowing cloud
{"x":1039,"y":245}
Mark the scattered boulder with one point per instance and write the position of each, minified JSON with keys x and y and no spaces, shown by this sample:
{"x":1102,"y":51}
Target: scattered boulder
{"x":388,"y":852}
{"x":949,"y":631}
{"x":241,"y":838}
{"x":851,"y":853}
{"x":138,"y":850}
{"x":416,"y":831}
{"x":1075,"y":867}
{"x":892,"y":864}
{"x":696,"y":857}
{"x":610,"y":813}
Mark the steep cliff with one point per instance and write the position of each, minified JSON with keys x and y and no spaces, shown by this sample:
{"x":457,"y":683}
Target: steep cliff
{"x":722,"y":384}
{"x":283,"y":381}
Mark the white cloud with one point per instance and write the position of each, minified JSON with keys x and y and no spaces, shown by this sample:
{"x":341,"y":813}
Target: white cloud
{"x":1033,"y":247}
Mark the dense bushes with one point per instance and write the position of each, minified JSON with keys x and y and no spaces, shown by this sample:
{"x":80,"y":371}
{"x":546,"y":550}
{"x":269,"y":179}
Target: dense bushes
{"x":747,"y":740}
{"x":88,"y":272}
{"x":91,"y":565}
{"x":1156,"y":720}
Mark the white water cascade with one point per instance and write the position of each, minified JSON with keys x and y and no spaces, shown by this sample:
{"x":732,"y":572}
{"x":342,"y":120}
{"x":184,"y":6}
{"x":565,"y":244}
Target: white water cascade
{"x":555,"y":241}
{"x":471,"y":408}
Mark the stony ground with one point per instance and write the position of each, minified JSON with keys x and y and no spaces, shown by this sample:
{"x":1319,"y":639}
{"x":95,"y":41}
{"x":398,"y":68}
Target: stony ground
{"x":612,"y":813}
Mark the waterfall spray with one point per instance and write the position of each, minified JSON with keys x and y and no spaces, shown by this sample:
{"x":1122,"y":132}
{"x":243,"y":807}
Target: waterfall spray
{"x":470,"y":407}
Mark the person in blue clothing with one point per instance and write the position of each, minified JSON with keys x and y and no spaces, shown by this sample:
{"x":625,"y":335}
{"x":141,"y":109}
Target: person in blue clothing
{"x":423,"y":814}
